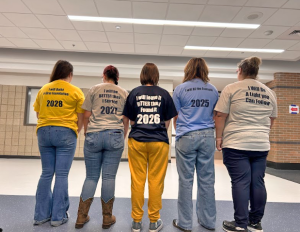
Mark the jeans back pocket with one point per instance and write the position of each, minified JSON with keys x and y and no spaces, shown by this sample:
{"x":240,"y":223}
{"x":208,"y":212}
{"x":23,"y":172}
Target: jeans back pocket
{"x":116,"y":139}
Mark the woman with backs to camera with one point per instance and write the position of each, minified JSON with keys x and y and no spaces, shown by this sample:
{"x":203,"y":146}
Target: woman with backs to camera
{"x":104,"y":144}
{"x":60,"y":119}
{"x":150,"y":109}
{"x":195,"y":100}
{"x":245,"y":114}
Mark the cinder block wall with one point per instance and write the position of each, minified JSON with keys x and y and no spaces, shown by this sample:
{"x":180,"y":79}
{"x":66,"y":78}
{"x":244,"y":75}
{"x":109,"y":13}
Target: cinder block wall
{"x":16,"y":139}
{"x":285,"y":135}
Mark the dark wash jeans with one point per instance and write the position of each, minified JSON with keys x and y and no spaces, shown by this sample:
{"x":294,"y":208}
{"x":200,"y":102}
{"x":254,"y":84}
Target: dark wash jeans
{"x":57,"y":147}
{"x":247,"y":172}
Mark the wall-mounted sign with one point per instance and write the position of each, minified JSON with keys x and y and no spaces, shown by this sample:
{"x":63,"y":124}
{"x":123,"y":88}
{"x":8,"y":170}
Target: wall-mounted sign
{"x":294,"y":109}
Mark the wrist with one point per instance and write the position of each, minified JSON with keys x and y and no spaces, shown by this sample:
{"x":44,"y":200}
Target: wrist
{"x":219,"y":139}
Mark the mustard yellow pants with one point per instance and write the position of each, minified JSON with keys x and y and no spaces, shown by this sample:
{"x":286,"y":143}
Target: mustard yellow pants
{"x":154,"y":156}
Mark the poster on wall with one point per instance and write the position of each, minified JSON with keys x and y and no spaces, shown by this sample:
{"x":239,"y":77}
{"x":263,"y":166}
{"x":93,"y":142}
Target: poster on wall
{"x":294,"y":109}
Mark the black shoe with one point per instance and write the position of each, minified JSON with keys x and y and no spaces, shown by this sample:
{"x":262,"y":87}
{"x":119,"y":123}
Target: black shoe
{"x":175,"y":223}
{"x":231,"y":227}
{"x":255,"y":227}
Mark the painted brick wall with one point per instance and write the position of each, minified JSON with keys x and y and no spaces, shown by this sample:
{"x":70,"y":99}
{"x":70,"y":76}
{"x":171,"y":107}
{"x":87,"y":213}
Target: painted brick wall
{"x":285,"y":135}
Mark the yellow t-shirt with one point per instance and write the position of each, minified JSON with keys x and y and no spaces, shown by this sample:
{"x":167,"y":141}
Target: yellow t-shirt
{"x":58,"y":103}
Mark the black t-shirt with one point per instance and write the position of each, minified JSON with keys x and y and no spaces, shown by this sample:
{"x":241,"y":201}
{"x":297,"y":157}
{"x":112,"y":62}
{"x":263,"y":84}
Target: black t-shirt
{"x":149,"y":107}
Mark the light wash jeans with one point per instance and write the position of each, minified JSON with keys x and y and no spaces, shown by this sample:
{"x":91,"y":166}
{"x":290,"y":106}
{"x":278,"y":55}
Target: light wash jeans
{"x":196,"y":150}
{"x":57,"y":147}
{"x":102,"y":149}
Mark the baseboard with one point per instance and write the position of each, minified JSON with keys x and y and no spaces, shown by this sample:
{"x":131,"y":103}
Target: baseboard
{"x":283,"y":166}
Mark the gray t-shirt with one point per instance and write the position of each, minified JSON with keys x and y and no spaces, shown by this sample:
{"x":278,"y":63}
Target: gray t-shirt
{"x":249,"y":105}
{"x":106,"y":102}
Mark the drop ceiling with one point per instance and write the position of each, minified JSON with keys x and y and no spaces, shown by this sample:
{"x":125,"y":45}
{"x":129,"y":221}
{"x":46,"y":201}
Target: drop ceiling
{"x":43,"y":25}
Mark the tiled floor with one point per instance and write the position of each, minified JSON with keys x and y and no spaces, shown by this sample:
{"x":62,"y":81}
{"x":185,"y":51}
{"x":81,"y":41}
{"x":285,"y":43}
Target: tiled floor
{"x":19,"y":177}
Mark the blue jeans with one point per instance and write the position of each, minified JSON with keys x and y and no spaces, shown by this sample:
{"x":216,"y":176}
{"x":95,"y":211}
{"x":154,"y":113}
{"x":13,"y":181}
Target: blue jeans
{"x":247,"y":172}
{"x":196,"y":150}
{"x":57,"y":147}
{"x":102,"y":149}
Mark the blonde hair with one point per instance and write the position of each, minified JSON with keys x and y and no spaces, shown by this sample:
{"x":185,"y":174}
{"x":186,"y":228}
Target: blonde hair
{"x":196,"y":68}
{"x":250,"y":66}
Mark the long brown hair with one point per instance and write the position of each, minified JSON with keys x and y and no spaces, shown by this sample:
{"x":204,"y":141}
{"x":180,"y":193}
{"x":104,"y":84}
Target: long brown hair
{"x":250,"y":66}
{"x":196,"y":68}
{"x":149,"y":74}
{"x":61,"y":70}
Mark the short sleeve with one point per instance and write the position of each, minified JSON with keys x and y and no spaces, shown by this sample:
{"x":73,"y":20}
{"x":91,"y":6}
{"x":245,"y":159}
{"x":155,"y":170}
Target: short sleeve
{"x":80,"y":101}
{"x":176,"y":99}
{"x":88,"y":105}
{"x":36,"y":105}
{"x":129,"y":110}
{"x":275,"y":108}
{"x":223,"y":105}
{"x":170,"y":110}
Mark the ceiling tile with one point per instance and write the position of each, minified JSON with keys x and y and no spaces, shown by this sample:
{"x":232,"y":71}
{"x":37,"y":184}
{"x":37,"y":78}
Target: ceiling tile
{"x":59,"y":22}
{"x":37,"y":33}
{"x":120,"y":38}
{"x":153,"y":29}
{"x":149,"y":0}
{"x":227,"y":42}
{"x":281,"y":44}
{"x":267,"y":56}
{"x":44,"y":7}
{"x":147,"y":38}
{"x":284,"y":17}
{"x":292,"y":4}
{"x":5,"y":43}
{"x":12,"y":32}
{"x":70,"y":35}
{"x":241,"y":55}
{"x":170,"y":50}
{"x":122,"y":48}
{"x":216,"y":54}
{"x":5,"y":22}
{"x":189,"y":1}
{"x":277,"y":30}
{"x":206,"y":31}
{"x":227,"y":2}
{"x":146,"y":49}
{"x":99,"y":47}
{"x":230,"y":32}
{"x":219,"y":13}
{"x":119,"y":9}
{"x":201,"y":41}
{"x":296,"y":47}
{"x":262,"y":15}
{"x":73,"y":45}
{"x":254,"y":43}
{"x":149,"y":10}
{"x":48,"y":44}
{"x":23,"y":43}
{"x":287,"y":55}
{"x":176,"y":30}
{"x":184,"y":12}
{"x":93,"y":36}
{"x":265,"y":3}
{"x":88,"y":26}
{"x":112,"y":27}
{"x":193,"y":53}
{"x":174,"y":40}
{"x":24,"y":20}
{"x":79,"y":7}
{"x":16,"y":6}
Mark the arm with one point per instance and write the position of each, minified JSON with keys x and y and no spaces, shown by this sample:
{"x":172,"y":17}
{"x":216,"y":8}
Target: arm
{"x":167,"y":123}
{"x":86,"y":117}
{"x":37,"y":115}
{"x":174,"y":121}
{"x":80,"y":121}
{"x":272,"y":122}
{"x":126,"y":125}
{"x":220,"y":119}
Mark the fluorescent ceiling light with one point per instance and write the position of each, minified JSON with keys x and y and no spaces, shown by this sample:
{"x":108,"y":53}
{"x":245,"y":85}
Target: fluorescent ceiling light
{"x":235,"y":49}
{"x":162,"y":22}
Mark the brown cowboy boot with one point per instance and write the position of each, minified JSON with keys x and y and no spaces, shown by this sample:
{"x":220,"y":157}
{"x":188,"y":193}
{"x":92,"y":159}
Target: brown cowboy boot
{"x":108,"y":218}
{"x":83,"y":210}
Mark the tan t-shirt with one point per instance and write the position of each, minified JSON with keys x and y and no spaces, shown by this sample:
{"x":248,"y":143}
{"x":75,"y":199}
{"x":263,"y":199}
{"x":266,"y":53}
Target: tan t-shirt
{"x":249,"y":105}
{"x":106,"y":102}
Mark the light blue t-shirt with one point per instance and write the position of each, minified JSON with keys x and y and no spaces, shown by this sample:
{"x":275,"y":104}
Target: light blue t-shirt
{"x":195,"y":102}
